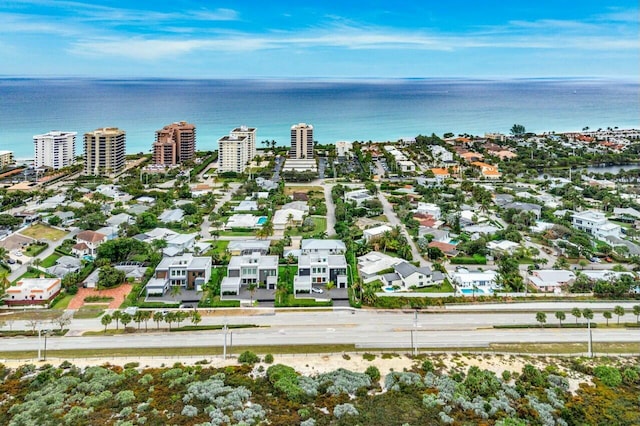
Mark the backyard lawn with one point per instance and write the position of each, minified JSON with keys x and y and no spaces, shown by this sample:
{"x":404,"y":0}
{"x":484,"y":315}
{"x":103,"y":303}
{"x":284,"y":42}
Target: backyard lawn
{"x":43,"y":232}
{"x":218,"y":246}
{"x":50,"y":260}
{"x":444,"y":288}
{"x":289,"y":190}
{"x":321,"y":226}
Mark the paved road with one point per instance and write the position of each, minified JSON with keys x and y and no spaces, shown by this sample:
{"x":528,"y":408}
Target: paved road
{"x":331,"y":209}
{"x":364,"y":328}
{"x":394,"y":221}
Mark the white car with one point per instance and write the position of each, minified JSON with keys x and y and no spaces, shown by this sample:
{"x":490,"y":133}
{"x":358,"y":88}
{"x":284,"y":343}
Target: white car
{"x":316,"y":290}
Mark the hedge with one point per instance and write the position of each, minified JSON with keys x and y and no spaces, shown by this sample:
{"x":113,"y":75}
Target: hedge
{"x":475,"y":260}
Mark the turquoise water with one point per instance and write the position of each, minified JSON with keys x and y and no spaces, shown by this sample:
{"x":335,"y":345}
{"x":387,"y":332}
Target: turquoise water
{"x":454,"y":242}
{"x":262,"y":220}
{"x":478,"y":291}
{"x":388,"y":289}
{"x":377,"y":110}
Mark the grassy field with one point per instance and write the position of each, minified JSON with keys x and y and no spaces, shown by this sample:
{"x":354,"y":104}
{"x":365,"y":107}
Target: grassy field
{"x":237,"y":233}
{"x":63,"y":302}
{"x":94,"y":311}
{"x":321,"y":226}
{"x":43,"y":232}
{"x":38,"y":315}
{"x":289,"y":190}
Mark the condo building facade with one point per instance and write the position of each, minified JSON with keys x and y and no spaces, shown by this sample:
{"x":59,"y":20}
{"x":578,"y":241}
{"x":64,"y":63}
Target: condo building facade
{"x":54,"y":149}
{"x":175,"y":144}
{"x":301,"y":141}
{"x":104,"y":151}
{"x":6,"y":158}
{"x":236,"y":150}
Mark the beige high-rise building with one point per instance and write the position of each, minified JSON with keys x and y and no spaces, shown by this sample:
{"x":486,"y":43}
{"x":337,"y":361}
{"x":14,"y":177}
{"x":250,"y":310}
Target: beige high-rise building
{"x":104,"y":151}
{"x":301,"y":141}
{"x":6,"y":159}
{"x":175,"y":144}
{"x":233,"y":153}
{"x":250,"y":133}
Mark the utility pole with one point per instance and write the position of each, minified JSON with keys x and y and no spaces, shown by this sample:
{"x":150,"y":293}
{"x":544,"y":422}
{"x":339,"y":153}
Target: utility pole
{"x":590,"y":341}
{"x":39,"y":341}
{"x":224,"y":346}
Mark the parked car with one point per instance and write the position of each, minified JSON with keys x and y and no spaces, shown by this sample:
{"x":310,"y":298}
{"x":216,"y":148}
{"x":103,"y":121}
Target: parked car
{"x":595,"y":260}
{"x":11,"y":261}
{"x":608,"y":259}
{"x":317,"y":290}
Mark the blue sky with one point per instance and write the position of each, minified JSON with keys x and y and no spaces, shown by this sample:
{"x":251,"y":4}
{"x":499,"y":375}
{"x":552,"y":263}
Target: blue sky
{"x":336,"y":39}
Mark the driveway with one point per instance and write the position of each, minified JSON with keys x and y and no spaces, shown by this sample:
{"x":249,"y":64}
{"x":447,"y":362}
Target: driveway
{"x":394,"y":221}
{"x":119,"y":294}
{"x":331,"y":210}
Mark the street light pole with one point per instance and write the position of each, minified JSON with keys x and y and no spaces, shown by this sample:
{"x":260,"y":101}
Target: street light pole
{"x":224,"y":346}
{"x":45,"y":344}
{"x":39,"y":342}
{"x":590,"y":341}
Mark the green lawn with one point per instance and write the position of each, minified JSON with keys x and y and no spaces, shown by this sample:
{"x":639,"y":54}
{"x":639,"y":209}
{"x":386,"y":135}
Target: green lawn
{"x":217,"y":246}
{"x":63,"y":302}
{"x":291,"y":301}
{"x":35,"y":249}
{"x":444,"y":288}
{"x":233,"y":233}
{"x":320,"y":226}
{"x":34,"y":273}
{"x":49,"y":261}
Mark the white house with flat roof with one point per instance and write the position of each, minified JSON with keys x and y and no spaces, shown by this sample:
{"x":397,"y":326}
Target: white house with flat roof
{"x":320,"y":269}
{"x":481,"y":280}
{"x":317,"y":246}
{"x":596,"y":224}
{"x":287,"y":217}
{"x":429,"y":208}
{"x":372,"y":263}
{"x":32,"y":291}
{"x":253,"y":268}
{"x":187,"y":271}
{"x":375,"y":232}
{"x":359,"y":196}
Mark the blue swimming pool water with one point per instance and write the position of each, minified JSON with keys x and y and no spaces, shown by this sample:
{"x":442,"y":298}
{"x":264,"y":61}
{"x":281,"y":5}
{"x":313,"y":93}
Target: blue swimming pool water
{"x":454,"y":242}
{"x":388,"y":289}
{"x":478,"y":291}
{"x":262,"y":220}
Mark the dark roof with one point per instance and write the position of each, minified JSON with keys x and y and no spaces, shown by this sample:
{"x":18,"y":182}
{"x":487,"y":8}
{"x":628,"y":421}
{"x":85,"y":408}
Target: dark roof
{"x":392,"y":276}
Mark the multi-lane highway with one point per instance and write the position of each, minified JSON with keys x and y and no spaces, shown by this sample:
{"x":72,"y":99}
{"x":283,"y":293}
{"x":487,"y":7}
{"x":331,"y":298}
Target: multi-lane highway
{"x":363,"y":328}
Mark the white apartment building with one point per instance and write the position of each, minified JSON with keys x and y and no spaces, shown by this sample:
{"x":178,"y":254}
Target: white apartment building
{"x":301,"y":141}
{"x":596,"y":224}
{"x":250,"y":133}
{"x":440,"y":154}
{"x":234,"y":153}
{"x":54,"y":149}
{"x":343,"y":148}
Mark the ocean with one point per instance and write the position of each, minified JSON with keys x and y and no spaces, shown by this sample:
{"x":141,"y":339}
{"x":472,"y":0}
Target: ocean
{"x":377,"y":110}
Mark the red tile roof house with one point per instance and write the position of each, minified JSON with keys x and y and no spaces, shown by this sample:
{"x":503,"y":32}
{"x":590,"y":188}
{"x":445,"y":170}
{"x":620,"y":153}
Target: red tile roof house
{"x":88,"y":243}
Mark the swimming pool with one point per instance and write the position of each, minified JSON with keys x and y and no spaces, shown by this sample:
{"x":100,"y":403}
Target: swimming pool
{"x":262,"y":220}
{"x":478,"y":291}
{"x":454,"y":242}
{"x":388,"y":289}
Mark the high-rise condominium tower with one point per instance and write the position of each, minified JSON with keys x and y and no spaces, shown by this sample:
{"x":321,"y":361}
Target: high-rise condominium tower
{"x":237,"y":150}
{"x":301,"y":141}
{"x":104,"y":151}
{"x":54,"y":149}
{"x":175,"y":143}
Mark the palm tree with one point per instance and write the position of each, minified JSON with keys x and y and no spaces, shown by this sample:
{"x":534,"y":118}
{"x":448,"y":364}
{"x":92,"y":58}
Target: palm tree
{"x":607,"y":315}
{"x":158,"y":317}
{"x":576,"y":312}
{"x":196,"y":317}
{"x":169,"y":317}
{"x":541,"y":317}
{"x":117,"y":316}
{"x":560,"y":316}
{"x":106,"y":320}
{"x":636,"y":311}
{"x":252,"y":287}
{"x":125,"y":319}
{"x":146,"y":316}
{"x":587,"y":314}
{"x":175,"y":291}
{"x":138,"y":317}
{"x":619,"y":311}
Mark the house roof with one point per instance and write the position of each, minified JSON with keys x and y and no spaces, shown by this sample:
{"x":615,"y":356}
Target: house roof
{"x":390,"y":277}
{"x":248,"y":245}
{"x":406,"y":269}
{"x":90,"y":236}
{"x":317,"y":244}
{"x":80,"y":247}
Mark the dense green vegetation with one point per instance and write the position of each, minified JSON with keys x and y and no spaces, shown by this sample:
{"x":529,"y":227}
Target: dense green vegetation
{"x":428,"y":393}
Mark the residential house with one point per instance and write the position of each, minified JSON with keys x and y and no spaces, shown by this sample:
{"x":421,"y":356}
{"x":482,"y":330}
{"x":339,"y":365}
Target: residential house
{"x":487,"y":170}
{"x":596,"y":224}
{"x":316,"y":246}
{"x":411,"y":276}
{"x":246,"y":206}
{"x":375,"y":232}
{"x":524,"y":207}
{"x":470,"y":281}
{"x":179,"y":243}
{"x":111,"y":232}
{"x":358,"y":196}
{"x":65,"y":265}
{"x":67,"y":218}
{"x":186,"y":271}
{"x":245,"y":247}
{"x":303,"y":206}
{"x":244,"y":220}
{"x":406,"y":166}
{"x":32,"y":291}
{"x":286,"y":217}
{"x":448,"y":249}
{"x":440,"y":235}
{"x":119,"y":219}
{"x":266,"y":184}
{"x":320,"y":269}
{"x":372,"y":263}
{"x":253,"y":268}
{"x":87,"y":243}
{"x":429,"y":208}
{"x":173,"y":215}
{"x":502,"y":246}
{"x":551,"y":280}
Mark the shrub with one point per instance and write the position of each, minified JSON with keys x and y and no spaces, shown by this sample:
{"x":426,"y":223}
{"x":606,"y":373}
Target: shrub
{"x":346,"y":357}
{"x":506,"y":375}
{"x":373,"y":372}
{"x":268,"y":359}
{"x":427,"y":366}
{"x":248,"y":357}
{"x":189,"y":411}
{"x":368,"y":357}
{"x":610,"y":376}
{"x":345,"y":410}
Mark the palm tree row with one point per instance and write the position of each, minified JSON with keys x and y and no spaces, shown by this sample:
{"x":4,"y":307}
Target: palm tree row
{"x":145,"y":316}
